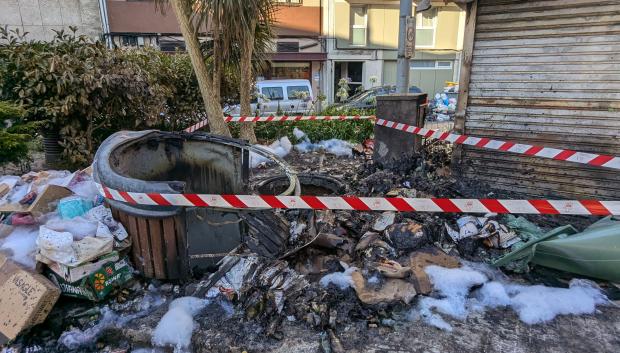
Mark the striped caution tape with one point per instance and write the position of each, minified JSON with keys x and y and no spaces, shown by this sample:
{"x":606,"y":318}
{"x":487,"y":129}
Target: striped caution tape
{"x":255,"y":119}
{"x":598,"y":160}
{"x":551,"y":207}
{"x":592,"y":159}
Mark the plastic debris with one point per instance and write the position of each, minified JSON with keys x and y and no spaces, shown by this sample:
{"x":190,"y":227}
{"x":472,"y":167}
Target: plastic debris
{"x":334,"y":146}
{"x":595,"y":252}
{"x":73,"y":206}
{"x":383,"y":221}
{"x":281,"y":148}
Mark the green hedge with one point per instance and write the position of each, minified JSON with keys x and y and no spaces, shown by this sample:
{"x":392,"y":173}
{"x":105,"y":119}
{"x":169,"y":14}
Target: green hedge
{"x":348,"y":130}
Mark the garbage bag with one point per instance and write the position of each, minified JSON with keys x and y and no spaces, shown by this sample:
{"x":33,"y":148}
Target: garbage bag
{"x":595,"y":252}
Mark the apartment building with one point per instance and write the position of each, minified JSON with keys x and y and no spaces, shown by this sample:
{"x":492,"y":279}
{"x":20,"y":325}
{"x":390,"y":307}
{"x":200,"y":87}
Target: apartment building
{"x":318,"y":40}
{"x":298,"y":52}
{"x":361,"y":39}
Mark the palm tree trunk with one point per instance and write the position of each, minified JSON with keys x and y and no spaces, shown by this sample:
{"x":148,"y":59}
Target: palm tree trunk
{"x":245,"y":86}
{"x":215,"y":115}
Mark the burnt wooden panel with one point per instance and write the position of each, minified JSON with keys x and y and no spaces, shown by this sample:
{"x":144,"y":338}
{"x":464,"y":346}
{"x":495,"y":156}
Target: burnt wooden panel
{"x":145,"y":246}
{"x":545,"y":72}
{"x":157,"y":247}
{"x":181,"y":237}
{"x":136,"y":245}
{"x":170,"y":244}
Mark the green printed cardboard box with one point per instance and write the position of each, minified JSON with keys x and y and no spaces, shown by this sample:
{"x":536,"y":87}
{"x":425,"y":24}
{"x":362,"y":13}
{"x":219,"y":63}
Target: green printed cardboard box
{"x":98,"y":284}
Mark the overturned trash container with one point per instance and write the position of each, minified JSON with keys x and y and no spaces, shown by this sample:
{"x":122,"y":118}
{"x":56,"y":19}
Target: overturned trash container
{"x":171,"y":242}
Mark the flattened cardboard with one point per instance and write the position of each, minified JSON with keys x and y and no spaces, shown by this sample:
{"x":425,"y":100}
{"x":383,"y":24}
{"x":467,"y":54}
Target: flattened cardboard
{"x":426,"y":257}
{"x":44,"y":203}
{"x":98,"y":284}
{"x":26,"y":298}
{"x":76,"y":273}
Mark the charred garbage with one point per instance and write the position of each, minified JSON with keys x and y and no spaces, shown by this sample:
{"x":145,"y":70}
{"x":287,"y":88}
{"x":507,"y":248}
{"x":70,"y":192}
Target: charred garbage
{"x":323,"y":276}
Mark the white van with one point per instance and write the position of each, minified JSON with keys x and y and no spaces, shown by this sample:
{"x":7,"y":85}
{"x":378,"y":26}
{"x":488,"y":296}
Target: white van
{"x":286,"y":96}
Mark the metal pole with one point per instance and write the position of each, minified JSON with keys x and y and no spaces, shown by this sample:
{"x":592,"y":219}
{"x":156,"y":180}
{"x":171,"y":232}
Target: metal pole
{"x":402,"y":66}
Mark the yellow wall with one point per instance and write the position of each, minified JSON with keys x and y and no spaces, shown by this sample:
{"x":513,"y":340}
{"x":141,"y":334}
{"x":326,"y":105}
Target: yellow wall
{"x":383,"y":25}
{"x":447,"y":28}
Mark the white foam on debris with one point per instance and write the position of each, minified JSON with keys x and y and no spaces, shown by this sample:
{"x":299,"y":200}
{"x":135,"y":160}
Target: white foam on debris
{"x":341,"y":280}
{"x":21,"y":245}
{"x":463,"y":290}
{"x":334,"y":146}
{"x":177,"y":326}
{"x":281,"y":148}
{"x":79,"y":227}
{"x":86,"y":189}
{"x":76,"y":338}
{"x":537,"y":304}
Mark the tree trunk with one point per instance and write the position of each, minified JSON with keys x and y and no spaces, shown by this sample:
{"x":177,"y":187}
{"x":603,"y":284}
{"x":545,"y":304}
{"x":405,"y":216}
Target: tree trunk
{"x":245,"y":86}
{"x":215,"y":115}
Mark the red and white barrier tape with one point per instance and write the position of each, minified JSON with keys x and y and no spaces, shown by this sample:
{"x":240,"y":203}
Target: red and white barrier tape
{"x":592,"y":159}
{"x":570,"y":207}
{"x":598,"y":160}
{"x":254,"y":119}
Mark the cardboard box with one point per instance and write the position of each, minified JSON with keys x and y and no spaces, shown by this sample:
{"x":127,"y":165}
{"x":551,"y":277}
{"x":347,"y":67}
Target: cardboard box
{"x":98,"y":284}
{"x":26,"y":298}
{"x":76,"y":273}
{"x":44,"y":203}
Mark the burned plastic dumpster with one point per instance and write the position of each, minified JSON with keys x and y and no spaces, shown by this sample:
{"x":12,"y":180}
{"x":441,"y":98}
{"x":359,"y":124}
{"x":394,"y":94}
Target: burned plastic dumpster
{"x":309,"y":184}
{"x":171,"y":242}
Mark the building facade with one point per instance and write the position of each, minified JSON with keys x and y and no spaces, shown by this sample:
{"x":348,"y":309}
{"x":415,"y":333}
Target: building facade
{"x":322,"y":41}
{"x":361,"y":38}
{"x":41,"y":17}
{"x":297,"y":53}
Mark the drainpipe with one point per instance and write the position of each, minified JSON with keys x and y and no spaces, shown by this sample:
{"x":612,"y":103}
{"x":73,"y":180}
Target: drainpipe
{"x":402,"y":65}
{"x":103,"y":10}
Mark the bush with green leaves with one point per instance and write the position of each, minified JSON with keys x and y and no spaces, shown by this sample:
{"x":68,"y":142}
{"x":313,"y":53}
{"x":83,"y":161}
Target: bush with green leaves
{"x":348,"y":130}
{"x":14,"y":136}
{"x":77,"y":87}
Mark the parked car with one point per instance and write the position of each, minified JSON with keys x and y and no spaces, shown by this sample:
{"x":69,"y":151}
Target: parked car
{"x":368,"y":99}
{"x":273,"y":96}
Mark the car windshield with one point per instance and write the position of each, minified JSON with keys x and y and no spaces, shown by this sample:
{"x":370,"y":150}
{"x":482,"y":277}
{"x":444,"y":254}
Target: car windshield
{"x":362,"y":96}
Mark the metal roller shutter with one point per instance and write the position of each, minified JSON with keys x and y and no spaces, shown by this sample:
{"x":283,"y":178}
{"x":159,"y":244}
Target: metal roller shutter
{"x":545,"y":72}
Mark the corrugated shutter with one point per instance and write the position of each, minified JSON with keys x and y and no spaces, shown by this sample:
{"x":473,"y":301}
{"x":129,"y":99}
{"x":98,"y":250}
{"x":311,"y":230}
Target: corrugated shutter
{"x":546,"y":72}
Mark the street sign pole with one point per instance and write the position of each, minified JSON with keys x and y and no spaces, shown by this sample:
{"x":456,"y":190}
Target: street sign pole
{"x":406,"y":45}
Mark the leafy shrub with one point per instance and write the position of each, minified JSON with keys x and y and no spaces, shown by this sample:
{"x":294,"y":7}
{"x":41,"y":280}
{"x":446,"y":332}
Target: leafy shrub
{"x":13,"y":148}
{"x":349,"y":130}
{"x":77,"y":87}
{"x":14,"y":137}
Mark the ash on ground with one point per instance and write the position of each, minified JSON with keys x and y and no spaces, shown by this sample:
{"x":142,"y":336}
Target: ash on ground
{"x":350,"y":281}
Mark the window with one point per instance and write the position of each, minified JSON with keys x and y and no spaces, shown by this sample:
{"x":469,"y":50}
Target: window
{"x":297,"y":92}
{"x":273,"y":93}
{"x":423,"y":64}
{"x":289,"y":70}
{"x":430,"y":65}
{"x":129,"y":41}
{"x":426,"y":26}
{"x":359,"y":20}
{"x":288,"y":47}
{"x":444,"y":64}
{"x":171,"y":46}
